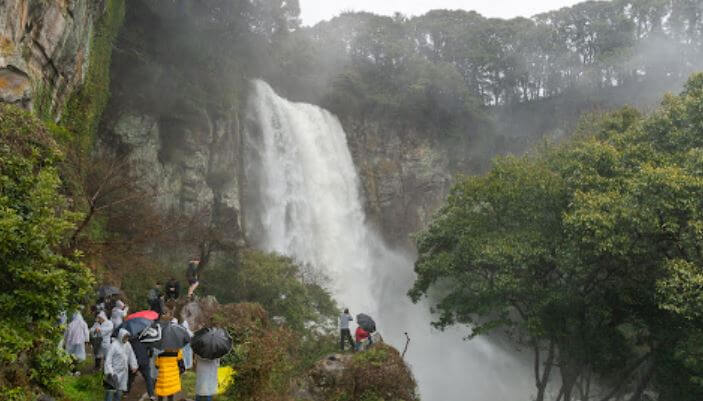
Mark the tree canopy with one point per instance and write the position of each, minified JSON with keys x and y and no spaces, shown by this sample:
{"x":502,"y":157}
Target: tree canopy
{"x":588,"y":252}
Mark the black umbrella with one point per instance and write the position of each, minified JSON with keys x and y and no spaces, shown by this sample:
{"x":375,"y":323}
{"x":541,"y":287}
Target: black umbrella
{"x":173,"y":336}
{"x":366,"y":322}
{"x":107,"y":290}
{"x":135,"y":326}
{"x":211,"y":343}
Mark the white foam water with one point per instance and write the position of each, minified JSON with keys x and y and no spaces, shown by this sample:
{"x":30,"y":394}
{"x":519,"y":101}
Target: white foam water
{"x":303,"y":201}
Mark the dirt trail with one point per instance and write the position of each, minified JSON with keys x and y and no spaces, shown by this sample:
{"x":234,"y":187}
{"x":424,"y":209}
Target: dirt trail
{"x":138,"y":392}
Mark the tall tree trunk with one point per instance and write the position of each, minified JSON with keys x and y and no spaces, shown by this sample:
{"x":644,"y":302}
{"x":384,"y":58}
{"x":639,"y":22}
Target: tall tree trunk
{"x":542,"y":379}
{"x":642,"y":384}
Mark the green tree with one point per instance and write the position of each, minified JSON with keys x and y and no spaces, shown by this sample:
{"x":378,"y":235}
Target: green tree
{"x":37,"y":281}
{"x":588,"y":252}
{"x":281,"y":286}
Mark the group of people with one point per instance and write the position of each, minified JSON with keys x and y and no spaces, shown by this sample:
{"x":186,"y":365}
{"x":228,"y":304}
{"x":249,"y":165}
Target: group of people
{"x":362,"y":338}
{"x":121,"y":357}
{"x":159,"y":295}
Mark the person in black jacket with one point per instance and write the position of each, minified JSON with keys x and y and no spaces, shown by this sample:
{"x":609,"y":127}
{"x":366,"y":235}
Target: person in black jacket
{"x":141,"y":351}
{"x":173,"y":289}
{"x":155,"y":299}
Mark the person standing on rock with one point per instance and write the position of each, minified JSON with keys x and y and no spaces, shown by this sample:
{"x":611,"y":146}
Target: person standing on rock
{"x":345,"y":334}
{"x":361,"y":335}
{"x":192,"y":276}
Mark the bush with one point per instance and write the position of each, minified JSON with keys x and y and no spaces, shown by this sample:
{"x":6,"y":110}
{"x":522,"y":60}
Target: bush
{"x":278,"y":284}
{"x":380,"y":374}
{"x":37,"y":281}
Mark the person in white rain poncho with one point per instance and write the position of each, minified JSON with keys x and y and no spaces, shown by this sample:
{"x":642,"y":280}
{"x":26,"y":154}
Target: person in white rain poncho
{"x":118,"y":313}
{"x":205,"y":378}
{"x":76,"y":336}
{"x":101,"y":332}
{"x":187,"y":350}
{"x":120,"y":359}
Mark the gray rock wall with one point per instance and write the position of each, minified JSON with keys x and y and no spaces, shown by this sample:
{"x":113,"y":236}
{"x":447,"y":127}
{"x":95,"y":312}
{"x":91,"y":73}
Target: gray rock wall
{"x":405,"y":176}
{"x":179,"y":138}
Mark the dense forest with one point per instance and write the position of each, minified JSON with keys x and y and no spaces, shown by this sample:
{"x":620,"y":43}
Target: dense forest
{"x":586,"y":251}
{"x":468,"y":80}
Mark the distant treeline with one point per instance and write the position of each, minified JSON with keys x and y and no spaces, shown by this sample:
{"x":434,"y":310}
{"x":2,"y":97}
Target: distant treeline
{"x":481,"y":85}
{"x":598,"y":44}
{"x":446,"y":71}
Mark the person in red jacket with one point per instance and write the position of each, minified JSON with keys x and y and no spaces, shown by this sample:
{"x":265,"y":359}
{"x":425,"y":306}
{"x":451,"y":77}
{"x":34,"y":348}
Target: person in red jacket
{"x":359,"y":335}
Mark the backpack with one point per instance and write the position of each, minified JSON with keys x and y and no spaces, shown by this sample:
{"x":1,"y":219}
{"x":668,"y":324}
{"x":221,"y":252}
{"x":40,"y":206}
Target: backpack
{"x":151,"y":334}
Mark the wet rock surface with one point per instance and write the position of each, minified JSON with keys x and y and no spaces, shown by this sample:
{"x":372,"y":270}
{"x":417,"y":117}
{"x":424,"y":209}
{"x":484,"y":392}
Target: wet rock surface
{"x":405,"y":176}
{"x":182,"y":143}
{"x":44,"y":47}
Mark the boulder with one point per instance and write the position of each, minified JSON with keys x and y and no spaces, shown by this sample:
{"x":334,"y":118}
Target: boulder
{"x":377,"y":373}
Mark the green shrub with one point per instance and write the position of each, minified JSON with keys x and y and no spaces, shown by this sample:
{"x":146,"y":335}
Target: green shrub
{"x":38,"y":279}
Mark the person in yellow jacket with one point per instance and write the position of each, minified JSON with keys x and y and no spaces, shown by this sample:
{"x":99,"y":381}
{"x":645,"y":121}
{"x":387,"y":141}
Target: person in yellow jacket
{"x":168,"y":382}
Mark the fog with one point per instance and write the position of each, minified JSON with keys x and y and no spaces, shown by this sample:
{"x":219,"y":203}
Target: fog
{"x":470,"y":86}
{"x":314,"y":11}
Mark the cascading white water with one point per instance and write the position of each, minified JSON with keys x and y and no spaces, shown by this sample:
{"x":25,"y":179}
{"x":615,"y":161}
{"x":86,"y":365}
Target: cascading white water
{"x":303,"y":201}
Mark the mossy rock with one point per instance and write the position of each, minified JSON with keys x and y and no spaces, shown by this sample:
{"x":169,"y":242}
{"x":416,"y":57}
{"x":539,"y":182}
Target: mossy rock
{"x":377,"y":374}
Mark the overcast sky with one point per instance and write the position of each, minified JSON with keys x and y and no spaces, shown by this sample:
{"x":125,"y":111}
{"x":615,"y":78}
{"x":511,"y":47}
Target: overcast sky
{"x":313,"y":11}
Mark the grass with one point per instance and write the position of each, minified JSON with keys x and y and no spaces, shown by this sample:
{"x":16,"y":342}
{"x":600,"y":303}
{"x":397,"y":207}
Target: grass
{"x":188,"y":384}
{"x":86,"y":387}
{"x":375,"y":356}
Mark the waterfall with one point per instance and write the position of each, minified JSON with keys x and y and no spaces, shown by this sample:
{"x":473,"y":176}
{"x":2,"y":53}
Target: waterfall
{"x":303,"y":201}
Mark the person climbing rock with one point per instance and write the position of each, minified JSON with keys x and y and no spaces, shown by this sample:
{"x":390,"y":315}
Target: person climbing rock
{"x":119,"y":361}
{"x":192,"y":276}
{"x":345,"y":334}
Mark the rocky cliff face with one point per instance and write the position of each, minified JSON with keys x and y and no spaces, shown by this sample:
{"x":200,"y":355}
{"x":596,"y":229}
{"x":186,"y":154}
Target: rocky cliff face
{"x":405,"y":176}
{"x":44,"y":49}
{"x":182,"y":143}
{"x":168,"y":116}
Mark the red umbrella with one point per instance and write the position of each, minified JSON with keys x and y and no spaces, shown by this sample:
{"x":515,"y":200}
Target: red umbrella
{"x":146,"y":314}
